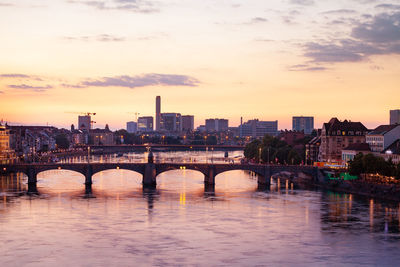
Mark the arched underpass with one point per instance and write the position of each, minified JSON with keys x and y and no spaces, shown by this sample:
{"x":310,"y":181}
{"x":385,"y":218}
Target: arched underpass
{"x":116,"y":181}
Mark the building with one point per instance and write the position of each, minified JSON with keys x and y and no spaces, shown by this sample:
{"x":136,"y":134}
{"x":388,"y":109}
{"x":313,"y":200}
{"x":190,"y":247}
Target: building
{"x":145,"y":124}
{"x":78,"y":137}
{"x":101,"y":137}
{"x":29,"y":140}
{"x":383,"y":136}
{"x":171,"y":122}
{"x":312,"y":150}
{"x":217,"y":125}
{"x":201,"y":128}
{"x":395,"y":116}
{"x":336,"y":135}
{"x":131,"y":127}
{"x":305,"y":124}
{"x":291,"y":137}
{"x":349,"y":152}
{"x":158,"y":113}
{"x":258,"y":129}
{"x":6,"y":153}
{"x":392,"y":152}
{"x":84,"y":123}
{"x":187,"y":123}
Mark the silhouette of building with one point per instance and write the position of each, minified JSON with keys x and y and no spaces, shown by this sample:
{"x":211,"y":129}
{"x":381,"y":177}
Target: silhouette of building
{"x":305,"y":124}
{"x":171,"y":122}
{"x":395,"y":116}
{"x":131,"y":127}
{"x":84,"y":123}
{"x":158,"y":113}
{"x":217,"y":125}
{"x":187,"y":123}
{"x":145,"y":124}
{"x":257,"y":129}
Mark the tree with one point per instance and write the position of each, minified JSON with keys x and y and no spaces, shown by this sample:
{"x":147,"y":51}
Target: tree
{"x":370,"y":163}
{"x":294,"y":157}
{"x":397,"y":171}
{"x":62,"y":141}
{"x":251,"y":150}
{"x":356,"y":166}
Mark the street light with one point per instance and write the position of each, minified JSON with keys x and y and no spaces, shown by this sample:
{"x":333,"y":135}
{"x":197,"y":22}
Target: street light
{"x":88,"y":154}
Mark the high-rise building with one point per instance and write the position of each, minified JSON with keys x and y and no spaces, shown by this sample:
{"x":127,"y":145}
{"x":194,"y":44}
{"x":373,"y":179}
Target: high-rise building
{"x":187,"y":123}
{"x":145,"y":124}
{"x":131,"y":127}
{"x":84,"y":123}
{"x":256,"y":129}
{"x":217,"y":125}
{"x":158,"y":113}
{"x":395,"y":116}
{"x":305,"y":124}
{"x":171,"y":122}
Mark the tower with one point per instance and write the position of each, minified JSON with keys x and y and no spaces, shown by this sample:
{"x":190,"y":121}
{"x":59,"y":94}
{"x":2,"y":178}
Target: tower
{"x":158,"y":112}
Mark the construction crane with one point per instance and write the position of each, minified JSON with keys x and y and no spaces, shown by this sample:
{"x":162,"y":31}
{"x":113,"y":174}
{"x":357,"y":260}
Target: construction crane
{"x":83,"y":113}
{"x":136,"y":114}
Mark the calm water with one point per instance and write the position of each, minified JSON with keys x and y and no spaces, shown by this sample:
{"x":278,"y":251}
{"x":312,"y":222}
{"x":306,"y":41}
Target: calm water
{"x":181,"y":224}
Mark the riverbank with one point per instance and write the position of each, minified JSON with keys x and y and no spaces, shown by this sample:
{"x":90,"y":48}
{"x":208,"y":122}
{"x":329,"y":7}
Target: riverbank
{"x":363,"y":187}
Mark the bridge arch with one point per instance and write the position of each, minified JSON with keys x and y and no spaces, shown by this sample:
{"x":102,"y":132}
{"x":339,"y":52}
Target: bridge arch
{"x":97,"y":172}
{"x":255,"y":169}
{"x":180,"y":168}
{"x":70,"y":170}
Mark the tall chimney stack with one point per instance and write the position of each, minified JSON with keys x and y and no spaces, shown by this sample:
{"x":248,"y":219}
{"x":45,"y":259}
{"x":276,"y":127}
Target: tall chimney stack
{"x":158,"y":113}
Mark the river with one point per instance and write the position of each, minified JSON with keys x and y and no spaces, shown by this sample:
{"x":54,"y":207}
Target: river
{"x":180,"y":223}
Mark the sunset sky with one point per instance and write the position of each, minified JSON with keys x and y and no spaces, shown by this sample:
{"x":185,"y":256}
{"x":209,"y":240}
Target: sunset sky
{"x":258,"y":59}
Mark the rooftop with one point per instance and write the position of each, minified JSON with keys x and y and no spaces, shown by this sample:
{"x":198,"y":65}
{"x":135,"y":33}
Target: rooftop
{"x":383,"y":129}
{"x":394,"y":148}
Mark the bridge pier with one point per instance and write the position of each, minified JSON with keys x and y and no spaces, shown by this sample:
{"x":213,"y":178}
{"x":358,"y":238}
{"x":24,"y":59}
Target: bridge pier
{"x":88,"y":189}
{"x":209,"y":189}
{"x":209,"y":179}
{"x":88,"y":175}
{"x":265,"y":180}
{"x":149,"y":177}
{"x":32,"y":180}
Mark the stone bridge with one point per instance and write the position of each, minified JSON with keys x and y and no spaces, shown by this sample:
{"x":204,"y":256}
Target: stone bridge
{"x":150,"y":171}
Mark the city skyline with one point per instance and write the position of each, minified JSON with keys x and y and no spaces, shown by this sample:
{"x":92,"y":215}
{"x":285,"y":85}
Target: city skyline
{"x":270,"y":61}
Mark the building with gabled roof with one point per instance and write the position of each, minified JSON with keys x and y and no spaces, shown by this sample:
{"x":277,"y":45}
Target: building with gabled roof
{"x":336,"y":135}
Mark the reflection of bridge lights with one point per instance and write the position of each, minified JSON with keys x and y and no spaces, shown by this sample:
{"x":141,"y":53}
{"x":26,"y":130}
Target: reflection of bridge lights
{"x":182,"y":198}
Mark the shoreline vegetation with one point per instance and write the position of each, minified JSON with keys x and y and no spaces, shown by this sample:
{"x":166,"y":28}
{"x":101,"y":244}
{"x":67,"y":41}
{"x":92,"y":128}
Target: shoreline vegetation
{"x":366,"y":175}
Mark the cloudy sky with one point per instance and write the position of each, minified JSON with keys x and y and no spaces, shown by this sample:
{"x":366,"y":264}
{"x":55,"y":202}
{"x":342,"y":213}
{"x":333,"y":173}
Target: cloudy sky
{"x":258,"y":59}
